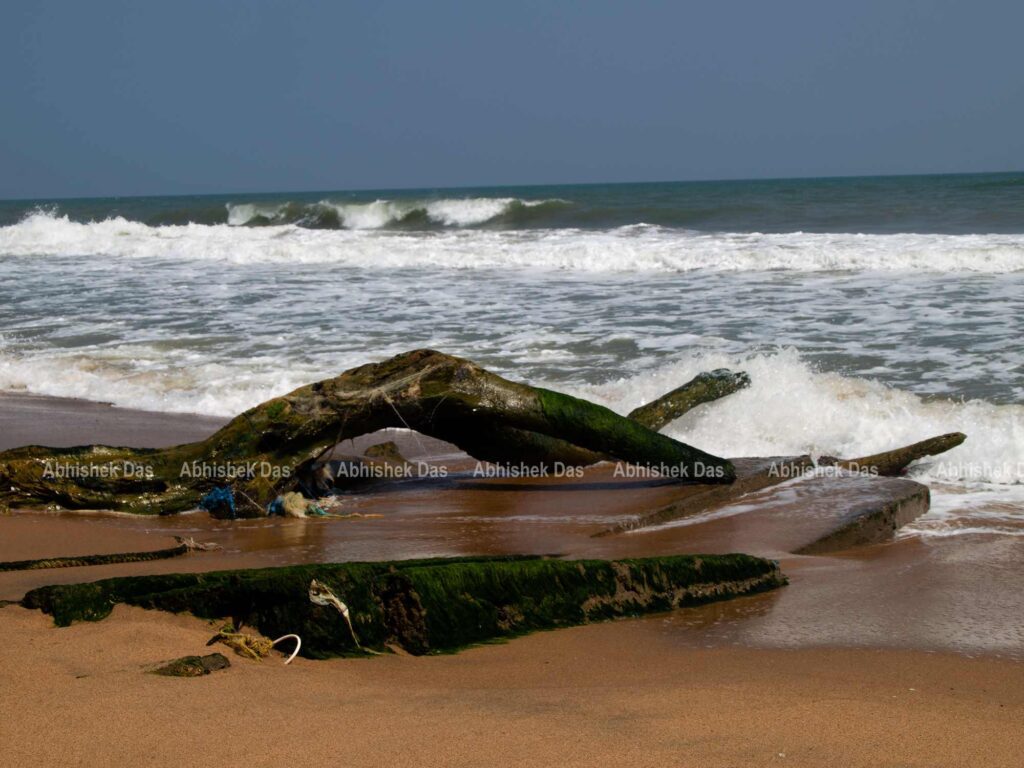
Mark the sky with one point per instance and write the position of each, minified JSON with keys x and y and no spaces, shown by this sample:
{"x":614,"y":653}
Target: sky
{"x":131,"y":98}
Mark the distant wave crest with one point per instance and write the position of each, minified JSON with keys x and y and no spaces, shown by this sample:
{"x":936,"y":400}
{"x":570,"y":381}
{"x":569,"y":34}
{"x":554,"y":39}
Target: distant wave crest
{"x":368,"y":242}
{"x":381,"y":214}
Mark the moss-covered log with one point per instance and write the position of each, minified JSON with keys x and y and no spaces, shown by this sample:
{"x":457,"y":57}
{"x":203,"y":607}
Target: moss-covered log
{"x":893,"y":463}
{"x":422,"y":606}
{"x":520,"y":446}
{"x":264,"y":450}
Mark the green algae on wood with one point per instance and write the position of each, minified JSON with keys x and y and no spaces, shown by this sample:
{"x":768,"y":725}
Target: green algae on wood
{"x":423,"y":606}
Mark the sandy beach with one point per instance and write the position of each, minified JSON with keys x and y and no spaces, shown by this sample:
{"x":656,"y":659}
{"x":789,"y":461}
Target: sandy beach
{"x":622,"y":693}
{"x":904,"y":653}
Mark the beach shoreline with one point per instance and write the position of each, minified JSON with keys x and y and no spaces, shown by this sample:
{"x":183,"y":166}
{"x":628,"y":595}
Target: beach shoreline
{"x":878,"y":655}
{"x":957,"y":594}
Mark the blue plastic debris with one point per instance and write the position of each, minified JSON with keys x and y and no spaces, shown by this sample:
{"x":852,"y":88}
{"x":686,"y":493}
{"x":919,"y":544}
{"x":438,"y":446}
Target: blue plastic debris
{"x":219,"y":500}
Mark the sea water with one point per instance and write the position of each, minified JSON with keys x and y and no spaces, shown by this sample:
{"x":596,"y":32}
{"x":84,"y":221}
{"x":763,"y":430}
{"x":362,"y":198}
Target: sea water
{"x":869,"y":312}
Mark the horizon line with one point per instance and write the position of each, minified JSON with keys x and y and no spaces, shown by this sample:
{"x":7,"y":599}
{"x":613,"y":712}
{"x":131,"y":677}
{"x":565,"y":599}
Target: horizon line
{"x":738,"y":179}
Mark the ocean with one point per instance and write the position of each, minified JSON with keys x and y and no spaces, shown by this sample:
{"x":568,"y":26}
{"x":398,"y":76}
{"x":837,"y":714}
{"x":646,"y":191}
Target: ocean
{"x":869,"y":312}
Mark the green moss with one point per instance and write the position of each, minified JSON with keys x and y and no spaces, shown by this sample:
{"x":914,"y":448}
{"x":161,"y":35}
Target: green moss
{"x":422,"y":605}
{"x":275,"y":409}
{"x":601,"y":429}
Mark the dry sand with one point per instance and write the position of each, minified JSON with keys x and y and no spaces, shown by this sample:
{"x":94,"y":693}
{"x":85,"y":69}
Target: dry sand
{"x":618,"y":694}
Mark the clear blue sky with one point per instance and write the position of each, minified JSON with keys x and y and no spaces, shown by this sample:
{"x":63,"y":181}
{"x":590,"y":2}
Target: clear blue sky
{"x":126,"y":98}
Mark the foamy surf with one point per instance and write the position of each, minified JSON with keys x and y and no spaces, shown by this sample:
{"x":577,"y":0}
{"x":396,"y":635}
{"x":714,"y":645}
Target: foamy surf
{"x":628,"y":249}
{"x":903,"y":297}
{"x":790,"y":408}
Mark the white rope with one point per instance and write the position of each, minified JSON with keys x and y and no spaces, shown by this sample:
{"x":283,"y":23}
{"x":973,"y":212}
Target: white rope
{"x":298,"y":645}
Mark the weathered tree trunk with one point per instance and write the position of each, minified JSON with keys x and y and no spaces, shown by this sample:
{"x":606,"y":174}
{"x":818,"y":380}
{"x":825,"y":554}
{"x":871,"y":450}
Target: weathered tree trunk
{"x":262,"y":451}
{"x":892,"y":463}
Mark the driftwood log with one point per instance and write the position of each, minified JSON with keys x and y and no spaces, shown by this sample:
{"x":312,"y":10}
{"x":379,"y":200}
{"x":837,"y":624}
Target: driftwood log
{"x":276,"y":446}
{"x":892,"y":463}
{"x":263,"y":451}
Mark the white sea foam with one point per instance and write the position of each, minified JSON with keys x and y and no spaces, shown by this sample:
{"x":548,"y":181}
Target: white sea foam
{"x":214,"y":319}
{"x":373,"y":215}
{"x":626,"y":249}
{"x":791,"y":409}
{"x":788,"y":409}
{"x":139,"y":380}
{"x":463,"y":213}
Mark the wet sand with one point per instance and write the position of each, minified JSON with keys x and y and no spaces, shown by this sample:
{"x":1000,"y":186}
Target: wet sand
{"x":799,"y":671}
{"x":58,"y":421}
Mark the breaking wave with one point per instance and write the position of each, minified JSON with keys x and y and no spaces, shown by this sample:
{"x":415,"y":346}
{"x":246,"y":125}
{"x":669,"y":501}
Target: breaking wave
{"x":365,"y":242}
{"x":790,"y":408}
{"x":381,"y":214}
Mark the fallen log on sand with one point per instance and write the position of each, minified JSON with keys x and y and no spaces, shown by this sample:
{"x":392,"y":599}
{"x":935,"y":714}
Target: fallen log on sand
{"x":84,"y":560}
{"x":422,"y":606}
{"x":265,"y":450}
{"x":282,"y":444}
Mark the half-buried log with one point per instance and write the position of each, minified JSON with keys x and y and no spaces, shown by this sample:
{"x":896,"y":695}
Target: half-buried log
{"x":422,"y":606}
{"x":892,"y":463}
{"x":264,"y":450}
